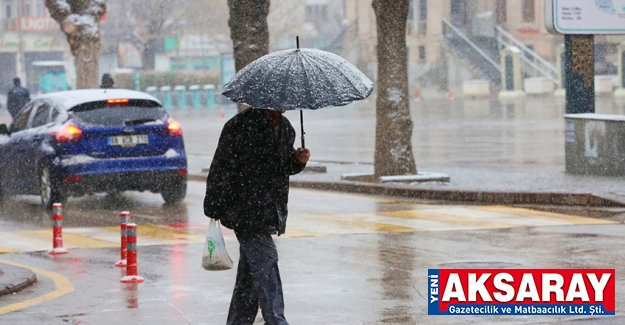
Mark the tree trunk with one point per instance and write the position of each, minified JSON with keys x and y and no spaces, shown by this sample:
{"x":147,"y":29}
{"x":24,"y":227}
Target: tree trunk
{"x":249,"y":31}
{"x":87,"y":67}
{"x":80,"y":22}
{"x":393,"y":144}
{"x":148,"y":57}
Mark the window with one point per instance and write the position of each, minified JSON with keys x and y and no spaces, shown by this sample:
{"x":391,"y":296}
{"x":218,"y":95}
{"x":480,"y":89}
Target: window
{"x":54,"y":115}
{"x":39,"y":11}
{"x":134,"y":113}
{"x":21,"y":120}
{"x":423,"y":9}
{"x":421,"y":52}
{"x":528,"y":10}
{"x":501,"y":14}
{"x":41,"y":115}
{"x":9,"y":10}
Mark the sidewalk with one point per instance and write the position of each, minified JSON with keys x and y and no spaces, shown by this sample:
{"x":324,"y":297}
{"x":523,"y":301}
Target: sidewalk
{"x":494,"y":152}
{"x":491,"y":186}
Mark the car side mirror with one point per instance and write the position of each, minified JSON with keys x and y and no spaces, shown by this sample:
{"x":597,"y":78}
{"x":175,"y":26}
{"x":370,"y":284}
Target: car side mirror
{"x":3,"y":129}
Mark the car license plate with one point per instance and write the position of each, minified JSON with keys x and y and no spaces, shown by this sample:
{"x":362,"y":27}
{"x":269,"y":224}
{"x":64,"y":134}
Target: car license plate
{"x":128,"y":140}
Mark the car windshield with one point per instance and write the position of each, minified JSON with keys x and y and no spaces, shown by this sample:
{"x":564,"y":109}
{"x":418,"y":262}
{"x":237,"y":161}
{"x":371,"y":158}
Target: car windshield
{"x":118,"y":113}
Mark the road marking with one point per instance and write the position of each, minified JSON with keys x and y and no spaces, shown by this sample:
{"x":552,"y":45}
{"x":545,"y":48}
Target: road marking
{"x":448,"y":219}
{"x":167,"y":234}
{"x":411,"y":218}
{"x":63,"y":287}
{"x":528,"y":213}
{"x":291,"y":232}
{"x":362,"y":224}
{"x":69,"y":240}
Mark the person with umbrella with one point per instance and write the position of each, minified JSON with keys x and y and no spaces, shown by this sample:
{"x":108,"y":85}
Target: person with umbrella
{"x":247,"y":189}
{"x":248,"y":182}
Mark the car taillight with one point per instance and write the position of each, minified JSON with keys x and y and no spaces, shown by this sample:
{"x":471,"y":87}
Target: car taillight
{"x":67,"y":134}
{"x":174,"y":128}
{"x":182,"y":172}
{"x":72,"y":179}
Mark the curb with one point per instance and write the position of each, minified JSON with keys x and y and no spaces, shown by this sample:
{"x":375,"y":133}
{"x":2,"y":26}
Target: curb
{"x":14,"y":279}
{"x":485,"y":197}
{"x":482,"y":197}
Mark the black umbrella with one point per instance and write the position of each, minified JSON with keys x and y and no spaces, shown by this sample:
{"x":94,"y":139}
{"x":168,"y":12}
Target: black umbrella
{"x":298,"y":79}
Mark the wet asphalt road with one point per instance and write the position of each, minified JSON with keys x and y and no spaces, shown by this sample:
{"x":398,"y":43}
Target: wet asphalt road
{"x":346,"y":259}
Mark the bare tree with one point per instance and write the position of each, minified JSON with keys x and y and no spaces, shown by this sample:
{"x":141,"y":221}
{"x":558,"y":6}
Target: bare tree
{"x":80,"y":22}
{"x":393,"y":146}
{"x":145,"y":24}
{"x":249,"y":31}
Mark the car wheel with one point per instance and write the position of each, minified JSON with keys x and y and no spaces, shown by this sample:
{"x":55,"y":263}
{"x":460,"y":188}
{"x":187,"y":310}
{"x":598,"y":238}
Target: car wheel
{"x":175,"y":192}
{"x":50,"y":194}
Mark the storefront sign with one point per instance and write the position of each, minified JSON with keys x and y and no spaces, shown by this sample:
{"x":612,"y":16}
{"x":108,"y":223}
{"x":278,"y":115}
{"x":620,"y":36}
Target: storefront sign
{"x":9,"y":42}
{"x":34,"y":24}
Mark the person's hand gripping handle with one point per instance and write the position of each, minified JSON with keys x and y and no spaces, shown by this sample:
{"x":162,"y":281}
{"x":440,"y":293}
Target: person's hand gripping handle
{"x":302,"y":155}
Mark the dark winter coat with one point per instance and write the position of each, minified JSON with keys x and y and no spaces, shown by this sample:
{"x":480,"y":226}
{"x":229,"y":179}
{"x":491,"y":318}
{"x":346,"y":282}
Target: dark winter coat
{"x":16,"y":99}
{"x":248,"y":183}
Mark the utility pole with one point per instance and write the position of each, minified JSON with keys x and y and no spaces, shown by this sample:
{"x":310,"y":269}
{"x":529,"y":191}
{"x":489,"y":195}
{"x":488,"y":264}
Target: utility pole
{"x":21,"y":67}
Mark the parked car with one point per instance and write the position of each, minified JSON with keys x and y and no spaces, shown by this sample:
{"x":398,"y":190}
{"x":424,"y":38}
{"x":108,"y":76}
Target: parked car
{"x":79,"y":142}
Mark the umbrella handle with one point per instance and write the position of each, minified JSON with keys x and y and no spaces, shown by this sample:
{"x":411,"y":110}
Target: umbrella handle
{"x":301,"y":120}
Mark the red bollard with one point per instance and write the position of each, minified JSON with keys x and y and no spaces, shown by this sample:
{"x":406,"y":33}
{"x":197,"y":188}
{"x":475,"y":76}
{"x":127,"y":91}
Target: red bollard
{"x":131,"y":267}
{"x":57,"y":230}
{"x":124,"y":220}
{"x":222,"y":114}
{"x":416,"y":95}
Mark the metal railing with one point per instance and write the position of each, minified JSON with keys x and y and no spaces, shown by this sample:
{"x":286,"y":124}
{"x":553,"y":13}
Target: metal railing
{"x":472,"y":54}
{"x":447,"y":26}
{"x":533,"y":63}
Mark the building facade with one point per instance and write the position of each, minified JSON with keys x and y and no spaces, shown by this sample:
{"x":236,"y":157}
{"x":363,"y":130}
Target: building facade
{"x":40,"y":39}
{"x":442,"y":34}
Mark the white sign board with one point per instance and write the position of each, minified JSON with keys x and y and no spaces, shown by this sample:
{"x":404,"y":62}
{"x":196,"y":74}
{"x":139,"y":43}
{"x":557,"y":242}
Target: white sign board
{"x":585,"y":16}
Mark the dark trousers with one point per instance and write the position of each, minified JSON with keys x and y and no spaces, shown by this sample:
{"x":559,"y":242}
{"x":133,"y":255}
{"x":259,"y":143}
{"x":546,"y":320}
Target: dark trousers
{"x":258,"y":282}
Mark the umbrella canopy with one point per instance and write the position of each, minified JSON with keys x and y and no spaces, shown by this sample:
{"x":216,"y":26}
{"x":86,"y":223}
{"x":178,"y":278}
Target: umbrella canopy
{"x":298,"y":79}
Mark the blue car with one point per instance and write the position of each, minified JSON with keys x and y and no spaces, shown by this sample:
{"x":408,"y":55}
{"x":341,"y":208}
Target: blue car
{"x":81,"y":142}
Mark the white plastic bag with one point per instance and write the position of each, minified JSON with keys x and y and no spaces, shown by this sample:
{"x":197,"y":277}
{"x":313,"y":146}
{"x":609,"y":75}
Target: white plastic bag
{"x":215,"y":256}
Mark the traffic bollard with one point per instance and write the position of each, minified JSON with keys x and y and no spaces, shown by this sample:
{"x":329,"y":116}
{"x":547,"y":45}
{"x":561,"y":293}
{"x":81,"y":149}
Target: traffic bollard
{"x":124,"y":220}
{"x":167,"y":100}
{"x":132,"y":275}
{"x":57,"y":230}
{"x":153,"y":91}
{"x":195,"y":96}
{"x":181,"y":96}
{"x":210,"y":95}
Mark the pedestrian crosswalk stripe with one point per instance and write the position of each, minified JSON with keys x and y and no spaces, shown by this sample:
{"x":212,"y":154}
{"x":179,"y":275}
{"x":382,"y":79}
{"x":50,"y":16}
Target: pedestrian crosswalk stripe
{"x":417,"y":219}
{"x":511,"y":220}
{"x":69,"y":240}
{"x":161,"y":233}
{"x":363,"y":224}
{"x":528,"y":213}
{"x":448,"y":219}
{"x":291,"y":232}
